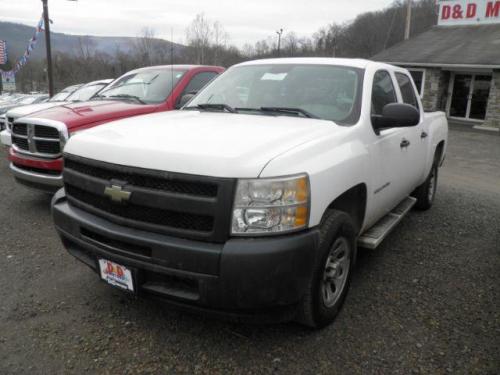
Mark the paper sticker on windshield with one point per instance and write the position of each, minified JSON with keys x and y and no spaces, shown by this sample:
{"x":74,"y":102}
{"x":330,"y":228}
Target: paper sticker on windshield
{"x":273,"y":77}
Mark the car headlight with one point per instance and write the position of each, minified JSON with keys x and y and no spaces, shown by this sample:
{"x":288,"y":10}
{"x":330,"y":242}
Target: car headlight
{"x":271,"y":205}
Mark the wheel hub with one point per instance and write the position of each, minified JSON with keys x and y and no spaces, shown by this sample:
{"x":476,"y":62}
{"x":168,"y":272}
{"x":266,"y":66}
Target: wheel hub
{"x":335,"y":272}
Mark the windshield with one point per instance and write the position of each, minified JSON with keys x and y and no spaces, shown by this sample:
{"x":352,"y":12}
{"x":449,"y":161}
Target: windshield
{"x":323,"y":91}
{"x":85,"y":93}
{"x":29,"y":100}
{"x":152,"y":86}
{"x":63,"y":94}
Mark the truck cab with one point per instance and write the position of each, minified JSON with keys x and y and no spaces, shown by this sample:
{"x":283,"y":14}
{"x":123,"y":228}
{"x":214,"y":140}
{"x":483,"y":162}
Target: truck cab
{"x":38,"y":139}
{"x":253,"y":199}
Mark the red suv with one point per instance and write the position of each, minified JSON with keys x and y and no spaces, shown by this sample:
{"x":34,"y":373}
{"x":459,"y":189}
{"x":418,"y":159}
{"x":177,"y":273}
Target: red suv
{"x":38,"y":140}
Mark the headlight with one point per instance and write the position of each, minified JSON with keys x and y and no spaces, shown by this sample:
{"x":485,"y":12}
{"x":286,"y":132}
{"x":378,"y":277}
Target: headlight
{"x":271,"y":205}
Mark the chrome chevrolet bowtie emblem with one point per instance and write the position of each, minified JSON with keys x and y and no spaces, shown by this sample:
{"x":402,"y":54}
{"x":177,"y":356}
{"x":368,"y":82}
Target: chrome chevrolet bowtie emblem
{"x":117,"y":194}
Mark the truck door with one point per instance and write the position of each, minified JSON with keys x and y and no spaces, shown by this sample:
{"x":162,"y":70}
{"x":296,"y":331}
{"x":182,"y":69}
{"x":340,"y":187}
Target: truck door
{"x":415,"y":152}
{"x":389,"y":178}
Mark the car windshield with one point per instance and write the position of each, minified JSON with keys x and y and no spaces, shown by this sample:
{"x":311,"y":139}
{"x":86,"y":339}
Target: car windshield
{"x":321,"y":91}
{"x":29,"y":100}
{"x":151,"y":86}
{"x":85,"y":93}
{"x":63,"y":94}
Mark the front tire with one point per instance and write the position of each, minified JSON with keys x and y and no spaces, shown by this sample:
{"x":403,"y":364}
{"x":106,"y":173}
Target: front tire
{"x":332,"y":273}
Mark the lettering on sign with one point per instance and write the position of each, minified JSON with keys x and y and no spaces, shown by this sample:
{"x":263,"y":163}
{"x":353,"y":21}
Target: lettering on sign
{"x":468,"y":12}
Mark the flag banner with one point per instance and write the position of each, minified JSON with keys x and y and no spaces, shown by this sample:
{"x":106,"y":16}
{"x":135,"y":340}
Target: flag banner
{"x":25,"y":56}
{"x":3,"y":52}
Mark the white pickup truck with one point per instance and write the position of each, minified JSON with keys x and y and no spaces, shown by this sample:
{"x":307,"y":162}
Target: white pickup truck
{"x":252,"y":200}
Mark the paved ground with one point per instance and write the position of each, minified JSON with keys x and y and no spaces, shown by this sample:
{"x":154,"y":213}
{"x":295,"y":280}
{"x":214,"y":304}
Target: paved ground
{"x":426,"y":301}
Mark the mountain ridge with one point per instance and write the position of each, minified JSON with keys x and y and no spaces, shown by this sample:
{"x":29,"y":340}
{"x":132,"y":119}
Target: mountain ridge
{"x":18,"y":35}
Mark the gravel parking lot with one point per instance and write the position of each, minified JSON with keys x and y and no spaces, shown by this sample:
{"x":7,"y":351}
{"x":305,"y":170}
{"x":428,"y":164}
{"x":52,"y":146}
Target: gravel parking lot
{"x":426,"y":301}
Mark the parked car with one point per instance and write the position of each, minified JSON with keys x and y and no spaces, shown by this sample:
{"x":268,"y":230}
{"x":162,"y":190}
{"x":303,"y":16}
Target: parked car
{"x":64,"y":93}
{"x":38,"y":140}
{"x":252,"y":204}
{"x":22,"y":100}
{"x":76,"y":93}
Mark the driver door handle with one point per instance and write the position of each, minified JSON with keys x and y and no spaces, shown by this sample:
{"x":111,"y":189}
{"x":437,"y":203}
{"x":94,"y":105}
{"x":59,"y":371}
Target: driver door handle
{"x":404,"y":143}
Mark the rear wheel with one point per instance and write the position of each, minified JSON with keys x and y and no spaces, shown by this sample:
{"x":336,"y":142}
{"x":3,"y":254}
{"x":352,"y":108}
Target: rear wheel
{"x":332,"y":274}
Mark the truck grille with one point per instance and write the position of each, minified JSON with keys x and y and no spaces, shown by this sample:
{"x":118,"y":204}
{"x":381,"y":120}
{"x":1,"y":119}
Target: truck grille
{"x":10,"y":121}
{"x":21,"y":129}
{"x":188,"y":206}
{"x":46,"y":132}
{"x":39,"y":140}
{"x":21,"y":143}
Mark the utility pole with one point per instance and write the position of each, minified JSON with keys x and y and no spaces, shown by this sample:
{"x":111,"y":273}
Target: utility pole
{"x":408,"y":20}
{"x":279,"y":32}
{"x":46,"y":24}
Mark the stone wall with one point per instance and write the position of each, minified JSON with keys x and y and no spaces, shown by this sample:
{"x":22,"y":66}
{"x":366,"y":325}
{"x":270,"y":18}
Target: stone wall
{"x":493,"y":109}
{"x":435,"y":89}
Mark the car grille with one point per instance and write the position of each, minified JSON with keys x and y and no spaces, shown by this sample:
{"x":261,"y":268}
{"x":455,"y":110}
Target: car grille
{"x":187,"y":206}
{"x":10,"y":121}
{"x":46,"y":132}
{"x":21,"y":143}
{"x":39,"y":140}
{"x":152,"y":182}
{"x":21,"y":129}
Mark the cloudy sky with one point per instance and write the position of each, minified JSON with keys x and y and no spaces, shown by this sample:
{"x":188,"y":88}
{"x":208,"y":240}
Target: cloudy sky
{"x":245,"y":21}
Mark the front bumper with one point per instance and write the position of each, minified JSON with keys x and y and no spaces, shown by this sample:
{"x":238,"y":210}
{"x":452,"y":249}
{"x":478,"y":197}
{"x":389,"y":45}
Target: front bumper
{"x":242,"y":277}
{"x":41,"y":174}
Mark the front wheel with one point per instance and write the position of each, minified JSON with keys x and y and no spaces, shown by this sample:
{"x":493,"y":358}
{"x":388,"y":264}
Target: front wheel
{"x":426,"y":192}
{"x":332,"y":273}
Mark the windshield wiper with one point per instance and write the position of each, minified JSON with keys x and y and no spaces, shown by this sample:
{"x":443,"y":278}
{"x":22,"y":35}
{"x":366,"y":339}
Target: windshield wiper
{"x":124,"y":96}
{"x":214,"y":106}
{"x":288,"y":110}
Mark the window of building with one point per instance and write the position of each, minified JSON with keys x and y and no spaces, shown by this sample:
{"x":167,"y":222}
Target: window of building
{"x":406,"y":88}
{"x":418,"y":76}
{"x":382,"y":92}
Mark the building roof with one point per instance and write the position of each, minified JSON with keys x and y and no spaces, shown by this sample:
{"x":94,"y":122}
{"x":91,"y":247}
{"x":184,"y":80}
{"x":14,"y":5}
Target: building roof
{"x":469,"y":46}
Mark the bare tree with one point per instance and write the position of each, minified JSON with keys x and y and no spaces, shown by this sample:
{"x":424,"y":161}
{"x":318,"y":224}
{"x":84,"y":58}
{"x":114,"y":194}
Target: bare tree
{"x":85,"y":47}
{"x":220,"y":38}
{"x":198,"y":35}
{"x":145,"y":45}
{"x":290,"y":44}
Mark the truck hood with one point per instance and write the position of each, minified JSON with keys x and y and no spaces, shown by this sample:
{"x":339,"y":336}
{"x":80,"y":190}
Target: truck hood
{"x":82,"y":114}
{"x":32,"y":108}
{"x":201,"y":143}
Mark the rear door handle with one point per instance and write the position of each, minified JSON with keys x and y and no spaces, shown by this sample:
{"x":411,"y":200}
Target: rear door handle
{"x":404,"y":143}
{"x":423,"y":135}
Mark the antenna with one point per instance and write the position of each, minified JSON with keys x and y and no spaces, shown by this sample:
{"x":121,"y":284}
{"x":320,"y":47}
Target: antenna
{"x":172,"y":65}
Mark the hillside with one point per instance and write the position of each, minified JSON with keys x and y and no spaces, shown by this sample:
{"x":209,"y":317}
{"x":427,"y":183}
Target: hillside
{"x":17,"y":36}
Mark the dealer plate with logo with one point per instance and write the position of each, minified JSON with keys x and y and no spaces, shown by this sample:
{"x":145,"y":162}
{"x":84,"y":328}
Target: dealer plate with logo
{"x":116,"y":274}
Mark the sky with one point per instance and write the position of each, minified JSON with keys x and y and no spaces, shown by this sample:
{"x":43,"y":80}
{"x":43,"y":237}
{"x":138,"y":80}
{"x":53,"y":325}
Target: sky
{"x":245,"y":21}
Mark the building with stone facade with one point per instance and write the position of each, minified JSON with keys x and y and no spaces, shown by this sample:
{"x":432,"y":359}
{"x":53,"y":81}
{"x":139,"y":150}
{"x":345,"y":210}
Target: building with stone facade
{"x":456,"y":64}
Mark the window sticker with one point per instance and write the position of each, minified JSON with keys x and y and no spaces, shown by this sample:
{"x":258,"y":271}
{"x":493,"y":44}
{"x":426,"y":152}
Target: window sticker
{"x":273,"y":77}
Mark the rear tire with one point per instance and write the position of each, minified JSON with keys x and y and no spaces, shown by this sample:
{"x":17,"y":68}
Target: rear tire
{"x":330,"y":280}
{"x":426,"y":192}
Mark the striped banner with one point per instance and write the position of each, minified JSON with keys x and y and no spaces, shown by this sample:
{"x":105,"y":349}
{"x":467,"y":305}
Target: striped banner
{"x":3,"y":52}
{"x":31,"y":45}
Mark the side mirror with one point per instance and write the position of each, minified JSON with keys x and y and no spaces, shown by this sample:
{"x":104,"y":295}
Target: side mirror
{"x":184,"y":99}
{"x":396,"y":115}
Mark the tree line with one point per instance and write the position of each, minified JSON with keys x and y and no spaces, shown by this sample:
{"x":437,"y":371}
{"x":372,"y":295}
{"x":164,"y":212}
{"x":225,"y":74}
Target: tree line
{"x":207,"y":42}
